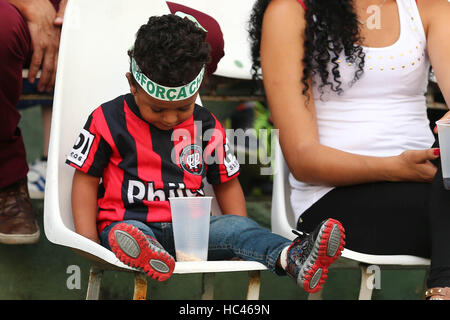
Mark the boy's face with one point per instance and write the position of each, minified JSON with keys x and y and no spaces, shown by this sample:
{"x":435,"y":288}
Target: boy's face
{"x":162,"y":114}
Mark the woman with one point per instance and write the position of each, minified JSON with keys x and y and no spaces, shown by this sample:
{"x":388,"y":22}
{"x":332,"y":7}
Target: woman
{"x":353,"y":76}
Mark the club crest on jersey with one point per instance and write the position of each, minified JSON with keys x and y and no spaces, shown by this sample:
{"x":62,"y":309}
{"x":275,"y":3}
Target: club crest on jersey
{"x":191,"y":159}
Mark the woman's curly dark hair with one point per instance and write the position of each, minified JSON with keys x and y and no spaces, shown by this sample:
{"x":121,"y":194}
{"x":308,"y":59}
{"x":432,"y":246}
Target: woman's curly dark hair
{"x":331,"y":28}
{"x":170,"y":50}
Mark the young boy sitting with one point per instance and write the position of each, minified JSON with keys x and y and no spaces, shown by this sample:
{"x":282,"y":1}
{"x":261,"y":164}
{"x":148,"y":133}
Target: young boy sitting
{"x":139,"y":149}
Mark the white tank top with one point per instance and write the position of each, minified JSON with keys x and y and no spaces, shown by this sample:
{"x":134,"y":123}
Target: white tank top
{"x":384,"y":113}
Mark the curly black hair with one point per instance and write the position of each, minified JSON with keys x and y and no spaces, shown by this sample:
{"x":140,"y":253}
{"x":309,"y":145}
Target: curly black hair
{"x":331,"y":28}
{"x":170,"y":50}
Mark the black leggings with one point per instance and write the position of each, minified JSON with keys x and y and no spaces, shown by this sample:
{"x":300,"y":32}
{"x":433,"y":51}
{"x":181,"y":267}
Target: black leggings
{"x":390,"y":218}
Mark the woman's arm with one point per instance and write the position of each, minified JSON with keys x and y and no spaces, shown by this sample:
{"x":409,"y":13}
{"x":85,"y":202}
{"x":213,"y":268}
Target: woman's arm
{"x":281,"y":60}
{"x":84,"y":204}
{"x":437,"y":14}
{"x":230,"y":197}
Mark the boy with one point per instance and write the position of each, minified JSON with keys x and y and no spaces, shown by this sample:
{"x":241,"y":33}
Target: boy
{"x":141,"y":148}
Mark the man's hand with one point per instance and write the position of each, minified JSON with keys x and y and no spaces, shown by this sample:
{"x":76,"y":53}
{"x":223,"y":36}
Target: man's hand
{"x":44,"y":26}
{"x":60,"y":14}
{"x":58,"y":22}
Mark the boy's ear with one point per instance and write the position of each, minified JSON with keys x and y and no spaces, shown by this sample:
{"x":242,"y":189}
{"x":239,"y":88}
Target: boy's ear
{"x":131,"y":83}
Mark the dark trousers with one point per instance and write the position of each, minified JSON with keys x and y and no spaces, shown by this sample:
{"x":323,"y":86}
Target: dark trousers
{"x":15,"y":51}
{"x":390,"y":218}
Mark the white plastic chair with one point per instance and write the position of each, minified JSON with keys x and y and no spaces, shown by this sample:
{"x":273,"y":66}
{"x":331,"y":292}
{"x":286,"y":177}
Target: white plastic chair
{"x":282,"y":220}
{"x":233,"y":17}
{"x":91,"y":69}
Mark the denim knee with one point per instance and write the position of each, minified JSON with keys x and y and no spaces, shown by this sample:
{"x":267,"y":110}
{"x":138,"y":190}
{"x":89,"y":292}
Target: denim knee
{"x":230,"y":221}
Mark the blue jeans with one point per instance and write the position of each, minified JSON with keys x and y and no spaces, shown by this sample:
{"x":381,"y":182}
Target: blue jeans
{"x":230,"y":236}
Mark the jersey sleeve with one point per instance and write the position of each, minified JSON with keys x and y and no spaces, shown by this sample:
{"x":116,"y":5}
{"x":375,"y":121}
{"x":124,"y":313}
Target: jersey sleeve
{"x":91,"y":152}
{"x":221,"y":163}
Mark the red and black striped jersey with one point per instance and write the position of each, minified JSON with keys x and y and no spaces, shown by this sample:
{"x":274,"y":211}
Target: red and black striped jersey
{"x":142,"y":166}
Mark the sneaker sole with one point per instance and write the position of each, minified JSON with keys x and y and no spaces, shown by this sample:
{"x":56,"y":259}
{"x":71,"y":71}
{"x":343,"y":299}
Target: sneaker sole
{"x":21,"y":238}
{"x":327,"y":249}
{"x":130,"y":245}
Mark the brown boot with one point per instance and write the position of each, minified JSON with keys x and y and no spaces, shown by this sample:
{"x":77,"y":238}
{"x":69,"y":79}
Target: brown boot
{"x":438,"y":293}
{"x":17,"y":222}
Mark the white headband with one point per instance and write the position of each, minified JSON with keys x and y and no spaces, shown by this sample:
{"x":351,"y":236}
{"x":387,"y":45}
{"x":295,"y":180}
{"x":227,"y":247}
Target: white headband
{"x":165,"y":93}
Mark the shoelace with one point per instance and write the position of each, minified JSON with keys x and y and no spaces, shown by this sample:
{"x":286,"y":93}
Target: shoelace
{"x":300,"y":233}
{"x":304,"y":247}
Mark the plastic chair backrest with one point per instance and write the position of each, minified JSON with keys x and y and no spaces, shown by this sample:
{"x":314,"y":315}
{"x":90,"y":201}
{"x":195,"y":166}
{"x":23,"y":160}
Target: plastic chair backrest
{"x":91,"y":69}
{"x":282,"y":218}
{"x":233,"y":17}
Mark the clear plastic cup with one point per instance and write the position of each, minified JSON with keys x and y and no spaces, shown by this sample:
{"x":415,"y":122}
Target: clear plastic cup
{"x":444,"y":144}
{"x":190,"y":221}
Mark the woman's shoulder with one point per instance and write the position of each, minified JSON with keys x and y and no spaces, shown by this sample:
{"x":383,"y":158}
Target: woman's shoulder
{"x":430,"y":9}
{"x":287,"y":5}
{"x":432,"y":4}
{"x":285,"y":11}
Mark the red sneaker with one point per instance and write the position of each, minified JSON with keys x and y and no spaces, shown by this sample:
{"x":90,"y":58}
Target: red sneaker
{"x":310,"y":255}
{"x":137,"y":250}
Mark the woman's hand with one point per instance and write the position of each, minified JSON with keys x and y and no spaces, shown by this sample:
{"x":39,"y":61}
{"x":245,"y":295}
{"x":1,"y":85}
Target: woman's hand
{"x":445,"y":117}
{"x":414,"y":165}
